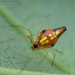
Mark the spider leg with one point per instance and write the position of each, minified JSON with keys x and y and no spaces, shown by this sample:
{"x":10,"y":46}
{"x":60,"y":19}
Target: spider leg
{"x":53,"y":57}
{"x":57,"y":51}
{"x":25,"y":29}
{"x":41,"y":25}
{"x":28,"y":61}
{"x":18,"y":39}
{"x":44,"y":57}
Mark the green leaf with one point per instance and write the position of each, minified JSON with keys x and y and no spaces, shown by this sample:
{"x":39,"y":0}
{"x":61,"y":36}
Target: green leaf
{"x":29,"y":14}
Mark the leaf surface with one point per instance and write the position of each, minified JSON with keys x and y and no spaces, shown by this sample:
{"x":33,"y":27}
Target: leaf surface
{"x":30,"y":14}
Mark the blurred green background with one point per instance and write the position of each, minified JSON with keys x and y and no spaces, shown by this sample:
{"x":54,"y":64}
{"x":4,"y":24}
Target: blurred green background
{"x":29,"y":14}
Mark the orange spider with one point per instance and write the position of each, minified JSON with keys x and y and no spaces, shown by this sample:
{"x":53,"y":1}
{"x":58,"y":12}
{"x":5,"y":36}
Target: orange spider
{"x":45,"y":39}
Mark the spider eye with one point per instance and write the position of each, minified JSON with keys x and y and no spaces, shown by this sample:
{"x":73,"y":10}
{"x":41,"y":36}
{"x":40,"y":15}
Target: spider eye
{"x":35,"y":45}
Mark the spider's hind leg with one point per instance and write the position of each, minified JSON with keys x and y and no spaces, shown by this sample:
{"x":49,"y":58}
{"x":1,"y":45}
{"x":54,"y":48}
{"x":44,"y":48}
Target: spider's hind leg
{"x":53,"y":57}
{"x":44,"y":57}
